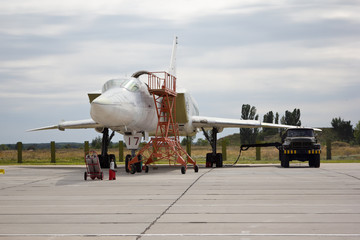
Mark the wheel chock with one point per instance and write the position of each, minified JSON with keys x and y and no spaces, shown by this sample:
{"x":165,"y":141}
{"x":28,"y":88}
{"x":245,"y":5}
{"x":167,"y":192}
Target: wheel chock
{"x":2,"y":171}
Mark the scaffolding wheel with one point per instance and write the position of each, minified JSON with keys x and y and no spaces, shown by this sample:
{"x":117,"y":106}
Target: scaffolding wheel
{"x":196,"y":168}
{"x":183,"y":170}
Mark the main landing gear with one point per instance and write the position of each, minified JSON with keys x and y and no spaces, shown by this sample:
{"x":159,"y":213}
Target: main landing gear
{"x":106,"y":158}
{"x":213,"y":157}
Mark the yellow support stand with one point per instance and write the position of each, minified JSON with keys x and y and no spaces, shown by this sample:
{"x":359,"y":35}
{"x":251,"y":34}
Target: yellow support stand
{"x":2,"y":171}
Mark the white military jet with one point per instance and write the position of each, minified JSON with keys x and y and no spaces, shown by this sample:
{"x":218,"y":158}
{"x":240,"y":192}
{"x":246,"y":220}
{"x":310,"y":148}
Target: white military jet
{"x":126,"y":106}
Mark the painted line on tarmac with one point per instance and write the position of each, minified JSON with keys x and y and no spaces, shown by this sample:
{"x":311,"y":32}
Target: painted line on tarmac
{"x":189,"y":235}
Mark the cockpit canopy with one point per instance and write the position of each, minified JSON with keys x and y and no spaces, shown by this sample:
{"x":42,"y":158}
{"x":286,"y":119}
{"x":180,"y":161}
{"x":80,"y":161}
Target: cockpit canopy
{"x":131,"y":84}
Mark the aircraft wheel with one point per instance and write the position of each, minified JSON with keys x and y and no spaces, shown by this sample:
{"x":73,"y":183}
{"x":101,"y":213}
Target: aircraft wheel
{"x":146,"y":169}
{"x":139,"y":164}
{"x":196,"y":168}
{"x":132,"y":169}
{"x":209,"y":162}
{"x":183,"y":170}
{"x":219,"y":160}
{"x":127,"y":160}
{"x":85,"y":176}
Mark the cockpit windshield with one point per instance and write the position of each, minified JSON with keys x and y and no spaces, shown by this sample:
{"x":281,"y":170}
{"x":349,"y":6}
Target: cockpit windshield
{"x":129,"y":84}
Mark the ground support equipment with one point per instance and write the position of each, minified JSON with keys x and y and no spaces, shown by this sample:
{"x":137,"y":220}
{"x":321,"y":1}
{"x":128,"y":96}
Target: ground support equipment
{"x":93,"y":169}
{"x":165,"y":145}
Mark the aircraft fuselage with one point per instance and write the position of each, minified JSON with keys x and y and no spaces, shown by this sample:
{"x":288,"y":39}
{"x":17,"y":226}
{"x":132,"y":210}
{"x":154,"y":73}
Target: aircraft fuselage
{"x":126,"y":106}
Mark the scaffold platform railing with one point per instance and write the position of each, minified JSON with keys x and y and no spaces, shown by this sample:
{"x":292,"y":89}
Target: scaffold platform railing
{"x":166,"y":144}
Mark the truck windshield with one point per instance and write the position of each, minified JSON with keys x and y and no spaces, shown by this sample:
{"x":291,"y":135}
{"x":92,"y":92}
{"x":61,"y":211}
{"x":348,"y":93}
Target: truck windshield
{"x":300,"y":133}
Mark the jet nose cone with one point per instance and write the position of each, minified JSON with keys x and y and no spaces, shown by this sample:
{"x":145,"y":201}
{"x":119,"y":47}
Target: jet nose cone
{"x":107,"y":110}
{"x":102,"y":100}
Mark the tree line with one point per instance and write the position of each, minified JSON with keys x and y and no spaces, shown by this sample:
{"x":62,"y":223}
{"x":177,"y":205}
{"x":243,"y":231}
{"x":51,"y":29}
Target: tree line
{"x":341,"y":130}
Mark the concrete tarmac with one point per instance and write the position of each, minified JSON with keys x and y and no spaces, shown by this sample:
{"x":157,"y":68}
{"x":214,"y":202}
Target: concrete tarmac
{"x":242,"y":202}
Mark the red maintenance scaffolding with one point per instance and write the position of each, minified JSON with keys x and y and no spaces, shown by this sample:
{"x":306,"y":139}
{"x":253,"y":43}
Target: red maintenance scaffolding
{"x":165,"y":145}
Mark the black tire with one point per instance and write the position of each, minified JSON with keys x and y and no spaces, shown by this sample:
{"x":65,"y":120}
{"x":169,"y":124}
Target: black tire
{"x":316,"y":161}
{"x":85,"y":176}
{"x":146,"y":169}
{"x":132,"y":169}
{"x":281,"y":156}
{"x":138,"y":165}
{"x":209,"y":161}
{"x":219,"y":160}
{"x":312,"y":161}
{"x":183,"y":170}
{"x":285,"y":161}
{"x":196,"y":168}
{"x":127,"y":160}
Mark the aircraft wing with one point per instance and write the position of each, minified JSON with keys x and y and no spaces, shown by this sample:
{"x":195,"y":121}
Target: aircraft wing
{"x":79,"y":124}
{"x":210,"y":122}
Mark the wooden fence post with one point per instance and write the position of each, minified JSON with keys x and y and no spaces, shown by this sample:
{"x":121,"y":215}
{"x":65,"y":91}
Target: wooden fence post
{"x":121,"y":151}
{"x":53,"y":160}
{"x":19,"y":146}
{"x":223,"y":148}
{"x":258,"y":152}
{"x":86,"y":147}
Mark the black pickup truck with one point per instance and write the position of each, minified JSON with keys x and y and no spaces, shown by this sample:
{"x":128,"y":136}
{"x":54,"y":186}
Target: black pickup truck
{"x":299,"y":144}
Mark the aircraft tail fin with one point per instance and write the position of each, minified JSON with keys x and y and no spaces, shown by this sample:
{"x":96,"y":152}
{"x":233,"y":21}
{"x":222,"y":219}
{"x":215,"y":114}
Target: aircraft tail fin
{"x":172,"y":68}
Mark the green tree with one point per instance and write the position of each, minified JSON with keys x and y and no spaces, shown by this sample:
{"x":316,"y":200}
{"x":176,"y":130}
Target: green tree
{"x":343,"y":129}
{"x":185,"y":140}
{"x":269,"y":118}
{"x":3,"y":147}
{"x":357,"y":133}
{"x":248,"y":135}
{"x":201,"y":142}
{"x":277,"y":118}
{"x":96,"y":142}
{"x":291,"y":118}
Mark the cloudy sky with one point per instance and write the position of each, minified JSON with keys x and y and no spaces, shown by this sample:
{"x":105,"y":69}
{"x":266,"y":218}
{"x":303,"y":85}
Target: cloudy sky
{"x":275,"y":54}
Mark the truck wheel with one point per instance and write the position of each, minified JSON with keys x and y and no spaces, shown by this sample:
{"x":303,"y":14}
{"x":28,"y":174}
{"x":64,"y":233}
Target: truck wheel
{"x":285,"y":161}
{"x":281,"y":156}
{"x":317,"y":161}
{"x":311,"y":161}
